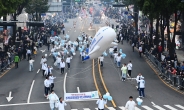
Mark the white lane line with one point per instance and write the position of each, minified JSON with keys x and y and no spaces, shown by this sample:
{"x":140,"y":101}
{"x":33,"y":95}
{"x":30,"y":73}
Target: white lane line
{"x":179,"y":106}
{"x":146,"y":107}
{"x":169,"y":107}
{"x":34,"y":103}
{"x":122,"y":108}
{"x":64,"y":84}
{"x":137,"y":108}
{"x":74,"y":109}
{"x":158,"y":107}
{"x":151,"y":102}
{"x":30,"y":91}
{"x":111,"y":108}
{"x":86,"y":108}
{"x":38,"y":71}
{"x":78,"y":90}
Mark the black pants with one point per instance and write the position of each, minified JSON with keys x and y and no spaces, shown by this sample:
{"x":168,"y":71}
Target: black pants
{"x":140,"y":54}
{"x":133,"y":48}
{"x":100,"y":109}
{"x":47,"y":90}
{"x":62,"y":70}
{"x":16,"y":64}
{"x":51,"y":86}
{"x":101,"y":63}
{"x":129,"y":72}
{"x":68,"y":65}
{"x":43,"y":72}
{"x":28,"y":55}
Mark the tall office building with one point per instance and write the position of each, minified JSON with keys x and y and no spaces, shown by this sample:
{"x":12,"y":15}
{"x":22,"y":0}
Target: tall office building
{"x":55,"y":5}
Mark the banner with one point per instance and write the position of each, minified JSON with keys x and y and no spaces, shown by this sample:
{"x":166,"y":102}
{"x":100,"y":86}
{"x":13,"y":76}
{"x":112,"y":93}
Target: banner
{"x":81,"y":96}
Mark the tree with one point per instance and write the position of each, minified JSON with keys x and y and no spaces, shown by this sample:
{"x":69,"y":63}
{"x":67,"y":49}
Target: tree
{"x":8,"y":7}
{"x":37,"y":7}
{"x":19,"y":9}
{"x":136,"y":9}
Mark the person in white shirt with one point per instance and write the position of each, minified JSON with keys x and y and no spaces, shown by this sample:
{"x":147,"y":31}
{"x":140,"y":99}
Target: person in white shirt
{"x":62,"y":66}
{"x":101,"y":103}
{"x":44,"y":68}
{"x":111,"y":51}
{"x":130,"y":105}
{"x":58,"y":60}
{"x":140,"y":50}
{"x":43,"y":60}
{"x":137,"y":79}
{"x":51,"y":79}
{"x":28,"y":54}
{"x":47,"y":86}
{"x":82,"y":56}
{"x":61,"y":104}
{"x":115,"y":55}
{"x":101,"y":58}
{"x":118,"y":60}
{"x":142,"y":86}
{"x":68,"y":61}
{"x":31,"y":64}
{"x":48,"y":71}
{"x":129,"y":66}
{"x":53,"y":100}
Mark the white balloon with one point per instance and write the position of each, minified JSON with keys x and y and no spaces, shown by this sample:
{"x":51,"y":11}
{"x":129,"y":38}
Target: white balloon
{"x":108,"y":94}
{"x":45,"y":55}
{"x":74,"y":53}
{"x":138,"y":99}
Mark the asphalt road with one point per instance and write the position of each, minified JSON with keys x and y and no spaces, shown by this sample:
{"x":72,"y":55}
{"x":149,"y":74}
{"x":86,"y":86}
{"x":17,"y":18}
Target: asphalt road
{"x":20,"y":80}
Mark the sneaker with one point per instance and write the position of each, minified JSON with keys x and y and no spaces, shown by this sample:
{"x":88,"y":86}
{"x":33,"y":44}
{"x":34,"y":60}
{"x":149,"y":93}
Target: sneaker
{"x":140,"y":96}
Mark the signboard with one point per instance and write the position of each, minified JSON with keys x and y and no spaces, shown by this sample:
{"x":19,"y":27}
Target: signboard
{"x":81,"y":96}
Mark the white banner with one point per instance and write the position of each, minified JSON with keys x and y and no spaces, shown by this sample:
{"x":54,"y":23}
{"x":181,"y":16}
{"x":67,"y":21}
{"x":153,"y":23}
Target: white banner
{"x":81,"y":96}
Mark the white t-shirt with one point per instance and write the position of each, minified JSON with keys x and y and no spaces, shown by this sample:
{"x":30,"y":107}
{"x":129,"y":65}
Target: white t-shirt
{"x":68,"y":60}
{"x":129,"y":66}
{"x":130,"y":105}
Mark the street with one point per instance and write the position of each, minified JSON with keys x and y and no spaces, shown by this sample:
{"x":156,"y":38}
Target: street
{"x":27,"y":88}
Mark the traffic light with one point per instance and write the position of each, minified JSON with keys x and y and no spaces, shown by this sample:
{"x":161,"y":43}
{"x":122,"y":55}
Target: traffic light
{"x":35,"y":24}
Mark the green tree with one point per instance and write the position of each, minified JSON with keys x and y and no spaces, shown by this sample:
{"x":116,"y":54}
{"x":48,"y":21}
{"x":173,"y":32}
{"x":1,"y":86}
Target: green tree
{"x":9,"y":6}
{"x":37,"y":7}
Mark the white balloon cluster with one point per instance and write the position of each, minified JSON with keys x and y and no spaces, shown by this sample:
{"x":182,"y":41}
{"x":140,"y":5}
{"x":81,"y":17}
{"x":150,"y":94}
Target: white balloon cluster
{"x":139,"y":101}
{"x":107,"y":96}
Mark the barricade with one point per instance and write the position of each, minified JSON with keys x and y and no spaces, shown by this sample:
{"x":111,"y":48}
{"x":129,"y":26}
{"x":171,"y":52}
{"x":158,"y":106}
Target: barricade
{"x":173,"y":80}
{"x":6,"y":63}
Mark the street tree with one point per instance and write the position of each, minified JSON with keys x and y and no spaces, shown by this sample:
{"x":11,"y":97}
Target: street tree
{"x":36,"y":7}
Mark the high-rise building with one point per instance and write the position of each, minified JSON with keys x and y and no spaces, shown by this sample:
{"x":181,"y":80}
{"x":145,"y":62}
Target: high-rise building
{"x":55,"y":5}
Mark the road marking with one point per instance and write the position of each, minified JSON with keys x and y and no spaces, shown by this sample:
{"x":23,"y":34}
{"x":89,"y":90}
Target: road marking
{"x":137,"y":108}
{"x":131,"y":78}
{"x":111,"y":108}
{"x":34,"y":103}
{"x":64,"y":83}
{"x":9,"y":97}
{"x":153,"y":103}
{"x":86,"y":108}
{"x":179,"y":106}
{"x":146,"y":107}
{"x":158,"y":107}
{"x":104,"y":85}
{"x":38,"y":71}
{"x":78,"y":90}
{"x":122,"y":108}
{"x":30,"y":91}
{"x":169,"y":107}
{"x":74,"y":109}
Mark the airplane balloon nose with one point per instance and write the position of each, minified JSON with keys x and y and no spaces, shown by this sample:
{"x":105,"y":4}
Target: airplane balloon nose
{"x":86,"y":58}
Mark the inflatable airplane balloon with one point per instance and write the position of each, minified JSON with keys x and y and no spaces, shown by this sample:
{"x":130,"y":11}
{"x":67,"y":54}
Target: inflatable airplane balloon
{"x":103,"y":40}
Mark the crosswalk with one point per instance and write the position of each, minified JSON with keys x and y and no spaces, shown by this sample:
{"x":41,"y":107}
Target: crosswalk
{"x":144,"y":107}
